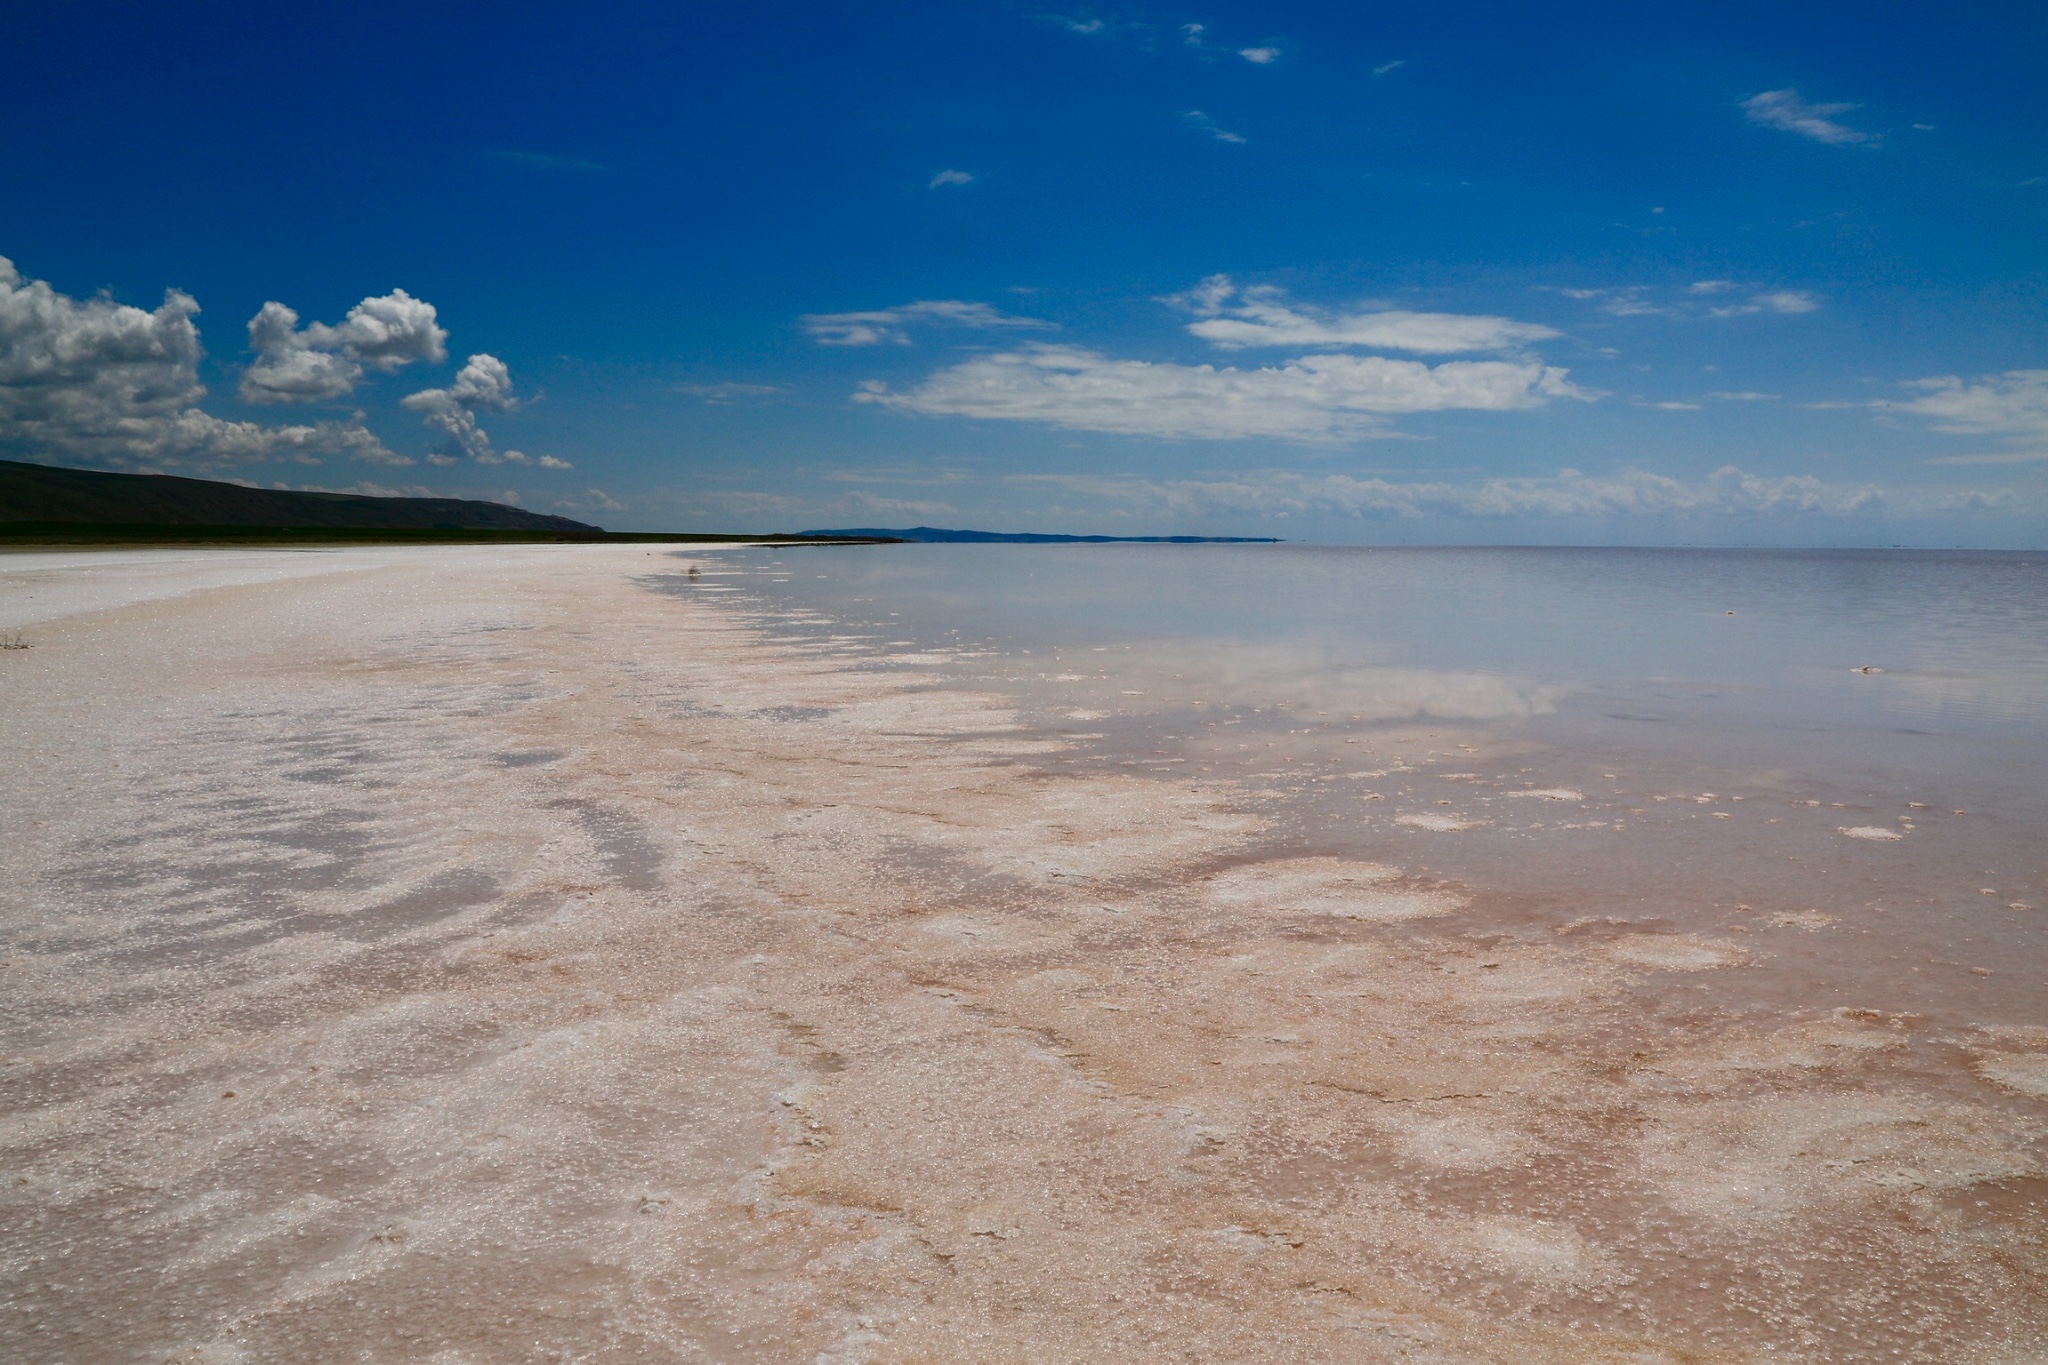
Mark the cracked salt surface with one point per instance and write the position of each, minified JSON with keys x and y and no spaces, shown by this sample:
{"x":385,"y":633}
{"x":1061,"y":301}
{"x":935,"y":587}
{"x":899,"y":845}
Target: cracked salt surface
{"x":804,"y":1006}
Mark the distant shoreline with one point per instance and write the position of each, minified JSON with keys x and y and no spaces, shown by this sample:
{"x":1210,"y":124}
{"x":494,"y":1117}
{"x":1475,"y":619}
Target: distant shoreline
{"x":133,"y":536}
{"x":934,"y":535}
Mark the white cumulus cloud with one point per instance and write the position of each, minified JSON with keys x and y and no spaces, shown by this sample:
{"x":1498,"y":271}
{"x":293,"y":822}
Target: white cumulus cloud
{"x":1260,"y":56}
{"x":1234,"y":318}
{"x":1784,"y":110}
{"x":892,"y":324}
{"x":99,"y":382}
{"x":1317,"y":398}
{"x":484,"y":383}
{"x":951,"y":178}
{"x":320,"y":363}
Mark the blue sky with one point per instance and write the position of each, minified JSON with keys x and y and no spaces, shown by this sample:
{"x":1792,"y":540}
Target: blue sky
{"x":1703,"y":273}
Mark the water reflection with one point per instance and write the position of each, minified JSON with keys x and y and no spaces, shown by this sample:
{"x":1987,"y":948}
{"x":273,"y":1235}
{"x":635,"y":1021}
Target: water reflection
{"x":1959,"y":638}
{"x":1159,"y":676}
{"x":1718,"y":720}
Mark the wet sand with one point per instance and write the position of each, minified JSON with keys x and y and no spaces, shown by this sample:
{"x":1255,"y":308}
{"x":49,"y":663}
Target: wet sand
{"x":485,"y":955}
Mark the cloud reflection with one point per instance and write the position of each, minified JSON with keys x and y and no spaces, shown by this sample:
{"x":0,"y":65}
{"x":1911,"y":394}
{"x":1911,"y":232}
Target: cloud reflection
{"x":1160,"y":676}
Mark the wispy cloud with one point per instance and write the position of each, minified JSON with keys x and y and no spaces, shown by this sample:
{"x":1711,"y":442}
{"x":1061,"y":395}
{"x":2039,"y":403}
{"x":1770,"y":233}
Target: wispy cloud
{"x":1979,"y":500}
{"x":1790,"y":301}
{"x":2012,"y":406}
{"x":1384,"y":67}
{"x":1785,"y":111}
{"x":365,"y":487}
{"x":1623,"y":301}
{"x":858,"y":508}
{"x":729,"y":393}
{"x":1234,"y":319}
{"x":1995,"y":457}
{"x":1641,"y":301}
{"x":1719,"y":396}
{"x":892,"y":325}
{"x":1316,"y":399}
{"x":951,"y":178}
{"x":543,"y":161}
{"x":1260,"y":56}
{"x":902,"y":474}
{"x":1195,"y":118}
{"x":1629,"y":492}
{"x":588,"y":501}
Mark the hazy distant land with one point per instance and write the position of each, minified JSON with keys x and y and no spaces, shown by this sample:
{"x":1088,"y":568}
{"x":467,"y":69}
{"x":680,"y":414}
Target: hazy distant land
{"x":934,"y":535}
{"x":49,"y":505}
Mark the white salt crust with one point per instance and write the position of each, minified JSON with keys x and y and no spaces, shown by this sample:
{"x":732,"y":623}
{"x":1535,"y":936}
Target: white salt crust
{"x":479,"y":955}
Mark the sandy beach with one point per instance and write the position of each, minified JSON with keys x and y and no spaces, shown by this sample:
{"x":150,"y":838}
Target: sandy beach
{"x":476,"y":955}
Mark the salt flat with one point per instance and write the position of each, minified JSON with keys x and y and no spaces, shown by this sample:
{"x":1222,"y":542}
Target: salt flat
{"x":477,"y":954}
{"x":47,"y":585}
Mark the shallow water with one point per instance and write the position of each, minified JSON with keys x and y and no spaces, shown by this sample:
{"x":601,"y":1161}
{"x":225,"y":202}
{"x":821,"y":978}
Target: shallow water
{"x":1846,"y":745}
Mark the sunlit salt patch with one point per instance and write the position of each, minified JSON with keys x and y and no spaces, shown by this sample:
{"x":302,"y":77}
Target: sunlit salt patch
{"x":1407,"y":1330}
{"x":960,"y":929}
{"x":1673,"y":952}
{"x":1087,"y":715}
{"x":1441,"y":824}
{"x":1013,"y":747}
{"x":929,"y":713}
{"x":1875,"y":832}
{"x":1841,"y":1042}
{"x":1254,"y":1241}
{"x":1532,"y":1249}
{"x":1460,"y":1143}
{"x":1063,"y":979}
{"x":1553,"y":794}
{"x":1770,"y":1156}
{"x":1801,"y":919}
{"x":1101,"y":826}
{"x":2027,"y":1074}
{"x":1326,"y":886}
{"x":1195,"y":1131}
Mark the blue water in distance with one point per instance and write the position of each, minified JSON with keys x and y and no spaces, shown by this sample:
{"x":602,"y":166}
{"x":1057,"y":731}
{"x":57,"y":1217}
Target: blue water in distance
{"x":1724,"y":717}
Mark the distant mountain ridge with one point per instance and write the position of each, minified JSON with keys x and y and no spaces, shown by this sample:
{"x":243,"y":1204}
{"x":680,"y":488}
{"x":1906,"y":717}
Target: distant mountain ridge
{"x":937,"y":535}
{"x":46,"y":493}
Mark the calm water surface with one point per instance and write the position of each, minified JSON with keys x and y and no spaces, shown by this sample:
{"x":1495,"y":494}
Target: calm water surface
{"x":1708,"y":740}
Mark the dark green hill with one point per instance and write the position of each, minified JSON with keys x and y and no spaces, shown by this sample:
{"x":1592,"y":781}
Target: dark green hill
{"x":43,"y":493}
